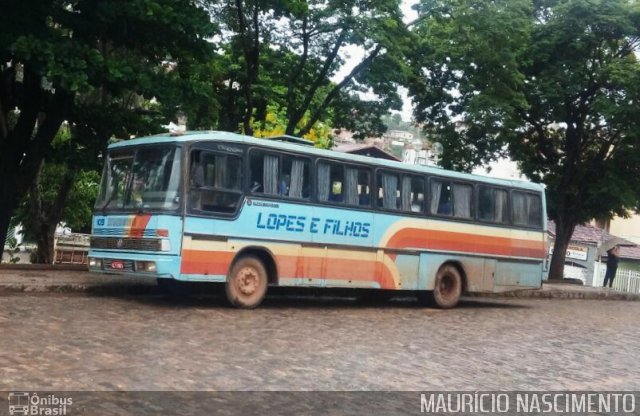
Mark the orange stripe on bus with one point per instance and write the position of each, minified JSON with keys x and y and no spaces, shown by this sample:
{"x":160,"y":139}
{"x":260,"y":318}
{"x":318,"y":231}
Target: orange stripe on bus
{"x":218,"y":262}
{"x":138,"y":225}
{"x":446,"y":240}
{"x":205,"y":262}
{"x":337,"y":269}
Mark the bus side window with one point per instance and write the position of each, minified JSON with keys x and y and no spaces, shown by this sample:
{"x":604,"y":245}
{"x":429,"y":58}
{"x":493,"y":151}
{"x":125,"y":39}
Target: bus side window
{"x":492,"y":204}
{"x":535,"y":211}
{"x":257,"y":170}
{"x":388,"y":191}
{"x":412,"y":194}
{"x":295,"y":177}
{"x":527,"y":209}
{"x":440,"y":202}
{"x":356,"y":184}
{"x":462,"y":200}
{"x":215,"y":182}
{"x":330,"y":182}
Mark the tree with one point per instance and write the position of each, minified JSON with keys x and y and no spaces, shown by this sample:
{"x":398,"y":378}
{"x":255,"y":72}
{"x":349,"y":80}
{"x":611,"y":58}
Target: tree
{"x":555,"y":83}
{"x":54,"y":53}
{"x":287,"y":53}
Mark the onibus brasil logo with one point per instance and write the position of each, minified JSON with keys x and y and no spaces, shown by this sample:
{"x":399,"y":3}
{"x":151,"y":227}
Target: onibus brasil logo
{"x":22,"y":403}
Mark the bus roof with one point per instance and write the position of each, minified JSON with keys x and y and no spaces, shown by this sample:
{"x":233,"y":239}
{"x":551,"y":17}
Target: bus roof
{"x":198,"y":136}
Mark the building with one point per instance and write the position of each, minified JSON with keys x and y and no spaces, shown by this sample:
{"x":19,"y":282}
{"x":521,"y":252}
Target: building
{"x":365,"y":150}
{"x":585,"y":260}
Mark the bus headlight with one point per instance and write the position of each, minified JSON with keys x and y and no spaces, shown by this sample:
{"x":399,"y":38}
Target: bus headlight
{"x":146,"y":266}
{"x":95,"y":263}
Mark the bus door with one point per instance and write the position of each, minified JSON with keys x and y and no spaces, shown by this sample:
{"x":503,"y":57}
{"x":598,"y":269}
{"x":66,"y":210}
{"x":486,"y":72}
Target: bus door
{"x":213,"y":197}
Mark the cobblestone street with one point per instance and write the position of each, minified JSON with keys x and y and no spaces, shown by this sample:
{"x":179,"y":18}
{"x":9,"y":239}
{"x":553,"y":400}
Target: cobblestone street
{"x":150,"y":342}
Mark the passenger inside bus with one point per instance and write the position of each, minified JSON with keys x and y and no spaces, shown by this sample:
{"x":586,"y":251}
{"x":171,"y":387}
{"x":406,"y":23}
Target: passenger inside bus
{"x":283,"y":185}
{"x":336,"y":192}
{"x":364,"y":198}
{"x":417,"y":202}
{"x":444,"y":208}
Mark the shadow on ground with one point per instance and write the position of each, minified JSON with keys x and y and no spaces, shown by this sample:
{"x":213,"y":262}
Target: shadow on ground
{"x":205,"y":295}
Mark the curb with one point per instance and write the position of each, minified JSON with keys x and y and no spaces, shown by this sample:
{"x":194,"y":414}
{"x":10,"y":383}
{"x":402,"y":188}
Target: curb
{"x":48,"y":267}
{"x":101,"y":289}
{"x":559,"y":294}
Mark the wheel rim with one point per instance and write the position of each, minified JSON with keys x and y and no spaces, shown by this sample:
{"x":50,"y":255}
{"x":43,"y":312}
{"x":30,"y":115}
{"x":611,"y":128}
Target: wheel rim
{"x":247,"y":281}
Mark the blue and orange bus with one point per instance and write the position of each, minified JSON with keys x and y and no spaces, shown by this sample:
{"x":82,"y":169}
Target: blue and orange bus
{"x":253,"y":213}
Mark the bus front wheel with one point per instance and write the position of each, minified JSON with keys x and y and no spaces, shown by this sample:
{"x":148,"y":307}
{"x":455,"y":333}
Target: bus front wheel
{"x":247,"y":283}
{"x":448,"y":287}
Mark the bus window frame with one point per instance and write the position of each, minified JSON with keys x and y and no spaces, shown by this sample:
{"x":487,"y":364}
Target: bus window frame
{"x":279,"y":154}
{"x":401,"y":173}
{"x":214,"y":148}
{"x":453,"y":182}
{"x":537,"y":227}
{"x":372,"y":168}
{"x":343,"y":164}
{"x":508,"y":190}
{"x":179,"y":210}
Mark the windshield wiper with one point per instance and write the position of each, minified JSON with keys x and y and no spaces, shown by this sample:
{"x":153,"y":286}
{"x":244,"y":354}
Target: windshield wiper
{"x":106,"y":204}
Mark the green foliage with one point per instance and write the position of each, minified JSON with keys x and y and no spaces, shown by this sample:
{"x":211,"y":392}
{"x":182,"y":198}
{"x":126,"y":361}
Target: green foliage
{"x":555,"y":83}
{"x":109,"y":68}
{"x":288,"y":54}
{"x":79,"y":207}
{"x":275,"y":123}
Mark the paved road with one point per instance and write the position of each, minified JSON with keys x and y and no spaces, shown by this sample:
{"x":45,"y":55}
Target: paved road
{"x":85,"y":342}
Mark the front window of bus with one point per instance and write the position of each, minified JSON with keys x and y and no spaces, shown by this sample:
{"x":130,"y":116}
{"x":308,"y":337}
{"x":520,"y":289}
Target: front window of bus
{"x":144,"y":178}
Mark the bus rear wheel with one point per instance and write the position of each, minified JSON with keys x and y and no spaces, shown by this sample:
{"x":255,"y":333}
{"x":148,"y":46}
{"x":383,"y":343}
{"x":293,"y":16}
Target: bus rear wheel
{"x":448,"y":287}
{"x":247,"y":283}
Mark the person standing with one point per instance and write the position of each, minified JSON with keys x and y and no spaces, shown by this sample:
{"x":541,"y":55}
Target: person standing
{"x":613,"y":257}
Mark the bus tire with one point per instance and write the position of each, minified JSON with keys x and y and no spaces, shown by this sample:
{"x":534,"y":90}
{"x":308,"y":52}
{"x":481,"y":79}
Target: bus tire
{"x":448,"y":287}
{"x":246,"y":283}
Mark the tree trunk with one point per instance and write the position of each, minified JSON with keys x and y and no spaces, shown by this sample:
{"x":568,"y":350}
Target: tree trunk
{"x":564,"y":231}
{"x":45,"y":241}
{"x":46,"y":218}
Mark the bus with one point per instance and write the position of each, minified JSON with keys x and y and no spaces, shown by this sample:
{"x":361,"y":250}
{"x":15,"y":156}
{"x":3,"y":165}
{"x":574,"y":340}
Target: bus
{"x":255,"y":213}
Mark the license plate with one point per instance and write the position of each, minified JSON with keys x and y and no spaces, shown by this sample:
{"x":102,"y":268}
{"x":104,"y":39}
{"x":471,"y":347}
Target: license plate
{"x":117,"y":264}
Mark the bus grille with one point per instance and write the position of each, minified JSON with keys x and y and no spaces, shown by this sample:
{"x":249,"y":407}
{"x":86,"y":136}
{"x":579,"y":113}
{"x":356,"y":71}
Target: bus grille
{"x":114,"y":243}
{"x":121,"y":231}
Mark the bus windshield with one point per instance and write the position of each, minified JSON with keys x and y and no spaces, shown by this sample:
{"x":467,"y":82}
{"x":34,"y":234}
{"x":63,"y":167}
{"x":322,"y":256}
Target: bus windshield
{"x":144,"y":178}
